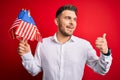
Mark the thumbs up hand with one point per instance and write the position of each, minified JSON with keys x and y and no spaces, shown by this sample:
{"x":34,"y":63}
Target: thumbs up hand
{"x":101,"y":43}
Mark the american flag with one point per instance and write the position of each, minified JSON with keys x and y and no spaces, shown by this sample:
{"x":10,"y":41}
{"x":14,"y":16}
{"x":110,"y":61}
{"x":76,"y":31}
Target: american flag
{"x":25,"y":28}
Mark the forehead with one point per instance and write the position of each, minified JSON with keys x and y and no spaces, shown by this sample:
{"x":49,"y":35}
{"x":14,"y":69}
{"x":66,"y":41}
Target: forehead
{"x":68,"y":13}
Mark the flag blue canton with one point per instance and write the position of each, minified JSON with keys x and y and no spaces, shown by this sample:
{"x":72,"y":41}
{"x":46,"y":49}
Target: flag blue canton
{"x":25,"y":16}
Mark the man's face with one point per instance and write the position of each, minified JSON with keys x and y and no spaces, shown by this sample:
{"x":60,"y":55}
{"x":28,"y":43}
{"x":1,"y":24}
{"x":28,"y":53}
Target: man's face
{"x":67,"y":22}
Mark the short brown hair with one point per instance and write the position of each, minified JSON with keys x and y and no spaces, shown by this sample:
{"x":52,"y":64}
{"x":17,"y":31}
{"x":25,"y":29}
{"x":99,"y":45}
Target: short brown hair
{"x":66,"y":7}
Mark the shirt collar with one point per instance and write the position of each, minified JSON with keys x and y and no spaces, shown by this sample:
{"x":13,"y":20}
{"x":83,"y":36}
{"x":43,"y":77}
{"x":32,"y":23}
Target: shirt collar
{"x":54,"y":38}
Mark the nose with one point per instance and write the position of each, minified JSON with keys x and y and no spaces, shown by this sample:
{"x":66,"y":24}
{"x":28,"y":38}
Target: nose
{"x":72,"y":22}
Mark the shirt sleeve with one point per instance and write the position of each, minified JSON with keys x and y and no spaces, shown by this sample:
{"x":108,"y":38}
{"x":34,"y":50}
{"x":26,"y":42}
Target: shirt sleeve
{"x":32,"y":63}
{"x":100,"y":64}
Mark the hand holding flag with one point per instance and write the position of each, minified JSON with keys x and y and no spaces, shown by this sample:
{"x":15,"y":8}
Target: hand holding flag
{"x":23,"y":47}
{"x":24,"y":27}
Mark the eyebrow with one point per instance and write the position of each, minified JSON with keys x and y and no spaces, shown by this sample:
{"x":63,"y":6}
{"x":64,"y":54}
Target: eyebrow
{"x":70,"y":16}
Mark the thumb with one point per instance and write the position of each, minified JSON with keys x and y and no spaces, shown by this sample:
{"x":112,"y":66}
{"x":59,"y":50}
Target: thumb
{"x":26,"y":43}
{"x":104,"y":35}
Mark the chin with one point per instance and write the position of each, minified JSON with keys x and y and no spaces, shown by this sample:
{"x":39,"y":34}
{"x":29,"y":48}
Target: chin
{"x":68,"y":34}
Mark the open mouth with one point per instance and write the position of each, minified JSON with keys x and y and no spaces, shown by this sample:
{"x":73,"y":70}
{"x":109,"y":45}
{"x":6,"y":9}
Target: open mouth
{"x":70,"y":27}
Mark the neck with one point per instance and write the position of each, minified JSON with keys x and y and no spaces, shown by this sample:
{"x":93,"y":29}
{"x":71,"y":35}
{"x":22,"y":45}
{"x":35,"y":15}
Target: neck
{"x":61,"y":38}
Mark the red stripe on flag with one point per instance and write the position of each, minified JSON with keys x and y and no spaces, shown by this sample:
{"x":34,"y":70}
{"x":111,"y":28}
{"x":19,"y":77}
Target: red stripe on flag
{"x":28,"y":31}
{"x":25,"y":30}
{"x":19,"y":27}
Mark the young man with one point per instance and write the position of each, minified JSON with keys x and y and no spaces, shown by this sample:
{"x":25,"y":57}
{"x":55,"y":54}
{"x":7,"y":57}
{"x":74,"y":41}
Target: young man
{"x":63,"y":55}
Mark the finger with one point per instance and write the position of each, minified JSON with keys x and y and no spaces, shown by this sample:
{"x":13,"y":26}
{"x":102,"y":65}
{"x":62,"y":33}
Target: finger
{"x":22,"y":41}
{"x":26,"y":43}
{"x":21,"y":50}
{"x":99,"y":41}
{"x":22,"y":45}
{"x":99,"y":46}
{"x":104,"y":35}
{"x":99,"y":38}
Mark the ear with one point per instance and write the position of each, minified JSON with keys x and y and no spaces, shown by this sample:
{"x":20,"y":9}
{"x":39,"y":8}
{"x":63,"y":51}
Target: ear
{"x":56,"y":21}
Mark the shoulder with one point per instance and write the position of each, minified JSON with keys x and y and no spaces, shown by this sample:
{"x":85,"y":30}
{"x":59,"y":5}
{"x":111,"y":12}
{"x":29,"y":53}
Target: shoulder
{"x":46,"y":40}
{"x":81,"y":40}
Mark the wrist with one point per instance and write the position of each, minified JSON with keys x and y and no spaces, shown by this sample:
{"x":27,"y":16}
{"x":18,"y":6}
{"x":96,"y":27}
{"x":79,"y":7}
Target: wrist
{"x":104,"y":51}
{"x":108,"y":52}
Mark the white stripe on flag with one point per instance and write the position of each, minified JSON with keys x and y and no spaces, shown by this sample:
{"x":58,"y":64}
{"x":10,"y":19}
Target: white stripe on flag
{"x":28,"y":31}
{"x":16,"y":23}
{"x":22,"y":29}
{"x":33,"y":35}
{"x":37,"y":36}
{"x":19,"y":27}
{"x":31,"y":32}
{"x":25,"y":30}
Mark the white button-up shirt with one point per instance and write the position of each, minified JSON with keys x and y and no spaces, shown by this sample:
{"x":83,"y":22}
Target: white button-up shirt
{"x":65,"y":61}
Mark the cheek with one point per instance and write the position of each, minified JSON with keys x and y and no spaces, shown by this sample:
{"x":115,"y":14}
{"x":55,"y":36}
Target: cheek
{"x":75,"y":23}
{"x":63,"y":24}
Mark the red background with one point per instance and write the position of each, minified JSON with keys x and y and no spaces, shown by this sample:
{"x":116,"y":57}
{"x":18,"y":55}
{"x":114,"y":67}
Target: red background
{"x":95,"y":17}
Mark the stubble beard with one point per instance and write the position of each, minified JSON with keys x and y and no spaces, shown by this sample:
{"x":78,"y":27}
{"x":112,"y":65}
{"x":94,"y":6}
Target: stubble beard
{"x":64,"y":33}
